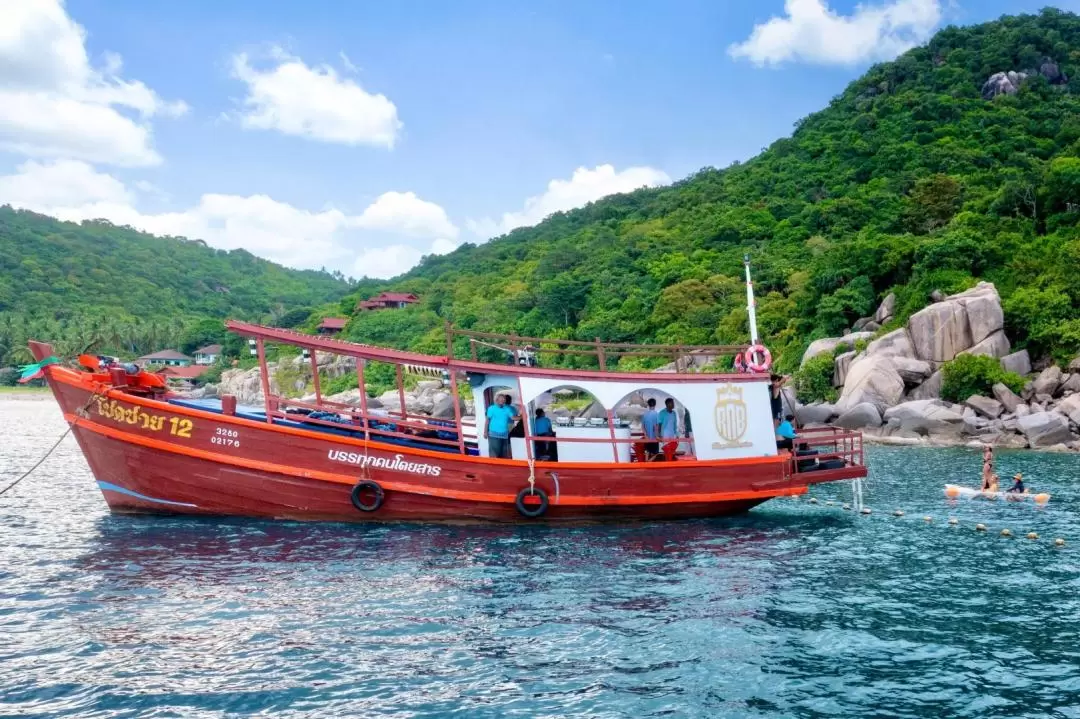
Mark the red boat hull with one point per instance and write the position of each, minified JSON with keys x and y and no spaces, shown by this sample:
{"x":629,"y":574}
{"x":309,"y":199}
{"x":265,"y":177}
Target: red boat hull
{"x":150,"y":456}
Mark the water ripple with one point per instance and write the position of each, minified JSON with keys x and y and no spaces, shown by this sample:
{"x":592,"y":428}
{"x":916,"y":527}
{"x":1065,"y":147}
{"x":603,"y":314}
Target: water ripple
{"x":794,"y":610}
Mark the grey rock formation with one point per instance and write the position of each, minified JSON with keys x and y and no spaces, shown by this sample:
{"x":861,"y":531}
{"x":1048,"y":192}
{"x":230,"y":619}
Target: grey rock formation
{"x":818,"y":413}
{"x":886,"y":309}
{"x":1044,"y":429}
{"x":829,"y":344}
{"x":1048,"y":381}
{"x":913,"y":371}
{"x":989,"y":408}
{"x":930,"y":389}
{"x":1008,"y":399}
{"x":925,"y":417}
{"x":894,"y":344}
{"x":864,"y":414}
{"x":840,"y":368}
{"x":1003,"y":83}
{"x":945,"y":329}
{"x":874,"y":380}
{"x":1071,"y":384}
{"x":1018,"y":362}
{"x":996,"y":345}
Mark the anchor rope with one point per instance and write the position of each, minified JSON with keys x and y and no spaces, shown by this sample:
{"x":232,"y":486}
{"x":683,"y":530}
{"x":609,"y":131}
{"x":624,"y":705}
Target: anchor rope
{"x":81,"y":412}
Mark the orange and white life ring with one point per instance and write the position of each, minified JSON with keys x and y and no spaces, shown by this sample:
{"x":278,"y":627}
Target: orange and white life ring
{"x":758,"y":358}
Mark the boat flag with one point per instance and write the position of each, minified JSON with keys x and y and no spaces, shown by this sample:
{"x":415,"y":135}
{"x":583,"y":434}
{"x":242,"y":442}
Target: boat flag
{"x":35,"y":371}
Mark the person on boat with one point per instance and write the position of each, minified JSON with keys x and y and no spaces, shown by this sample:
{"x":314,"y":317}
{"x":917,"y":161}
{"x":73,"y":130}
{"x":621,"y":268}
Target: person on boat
{"x":545,"y":451}
{"x":650,"y":427}
{"x":776,"y":394}
{"x":1017,"y":485}
{"x":785,"y":433}
{"x":990,"y":484}
{"x":669,"y":427}
{"x":500,"y":416}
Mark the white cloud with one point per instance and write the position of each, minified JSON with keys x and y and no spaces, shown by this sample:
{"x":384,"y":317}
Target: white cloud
{"x":393,"y":260}
{"x":384,"y":240}
{"x":56,"y":104}
{"x":407,"y":214}
{"x":583,"y":187}
{"x":811,"y":32}
{"x":314,"y":102}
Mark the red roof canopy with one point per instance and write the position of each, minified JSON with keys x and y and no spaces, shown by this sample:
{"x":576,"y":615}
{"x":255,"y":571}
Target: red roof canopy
{"x":333,"y":323}
{"x":396,"y":297}
{"x":166,"y":355}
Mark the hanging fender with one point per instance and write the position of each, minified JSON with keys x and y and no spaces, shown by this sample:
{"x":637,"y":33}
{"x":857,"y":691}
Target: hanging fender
{"x":367,"y":496}
{"x":531,"y":502}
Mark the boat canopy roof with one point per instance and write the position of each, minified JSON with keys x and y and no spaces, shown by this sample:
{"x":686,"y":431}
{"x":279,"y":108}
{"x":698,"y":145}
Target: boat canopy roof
{"x":610,"y":351}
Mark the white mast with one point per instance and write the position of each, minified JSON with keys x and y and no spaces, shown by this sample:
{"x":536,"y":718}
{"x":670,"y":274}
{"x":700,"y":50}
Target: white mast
{"x":750,"y":303}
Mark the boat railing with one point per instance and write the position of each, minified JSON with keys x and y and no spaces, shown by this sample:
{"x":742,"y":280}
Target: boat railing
{"x":833,"y":443}
{"x":606,"y":354}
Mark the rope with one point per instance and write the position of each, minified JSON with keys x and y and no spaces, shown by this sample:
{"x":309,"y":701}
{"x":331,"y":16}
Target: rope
{"x":80,"y":412}
{"x":532,"y":476}
{"x":39,"y":462}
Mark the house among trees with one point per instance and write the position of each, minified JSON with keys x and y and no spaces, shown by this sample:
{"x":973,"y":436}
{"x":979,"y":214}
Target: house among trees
{"x":387,"y":301}
{"x":207,"y":355}
{"x":169,"y":358}
{"x":331,"y":325}
{"x":182,"y":376}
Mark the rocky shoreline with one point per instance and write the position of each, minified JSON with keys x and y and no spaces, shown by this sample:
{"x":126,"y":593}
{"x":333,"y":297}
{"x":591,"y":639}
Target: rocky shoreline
{"x":890,"y":385}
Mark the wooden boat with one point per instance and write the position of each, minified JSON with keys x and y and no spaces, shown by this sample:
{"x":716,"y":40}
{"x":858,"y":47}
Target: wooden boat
{"x":152,"y":451}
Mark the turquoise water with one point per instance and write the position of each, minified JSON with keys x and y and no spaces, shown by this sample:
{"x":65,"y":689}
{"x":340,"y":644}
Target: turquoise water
{"x":793,"y":610}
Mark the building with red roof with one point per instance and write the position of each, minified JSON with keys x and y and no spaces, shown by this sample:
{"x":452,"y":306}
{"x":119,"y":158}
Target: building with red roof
{"x":331,"y":325}
{"x":387,"y":301}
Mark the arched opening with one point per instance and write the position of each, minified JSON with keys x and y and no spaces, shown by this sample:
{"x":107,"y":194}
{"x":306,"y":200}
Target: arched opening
{"x":580,"y":428}
{"x":664,"y":429}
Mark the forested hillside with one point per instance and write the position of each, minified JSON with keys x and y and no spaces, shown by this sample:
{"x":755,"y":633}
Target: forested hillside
{"x":73,"y":283}
{"x":911,"y":180}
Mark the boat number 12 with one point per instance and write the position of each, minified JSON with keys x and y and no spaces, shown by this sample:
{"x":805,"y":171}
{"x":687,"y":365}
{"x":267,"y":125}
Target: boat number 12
{"x":226,"y":437}
{"x":180,"y":427}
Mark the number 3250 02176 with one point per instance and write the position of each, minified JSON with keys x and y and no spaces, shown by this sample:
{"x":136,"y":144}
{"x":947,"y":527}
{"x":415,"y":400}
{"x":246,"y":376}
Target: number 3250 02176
{"x":226,"y":437}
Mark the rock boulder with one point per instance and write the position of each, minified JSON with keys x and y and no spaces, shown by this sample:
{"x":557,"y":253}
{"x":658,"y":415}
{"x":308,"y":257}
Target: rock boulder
{"x":818,"y":413}
{"x":925,"y":417}
{"x":1048,"y":381}
{"x":1009,"y":400}
{"x":874,"y":380}
{"x":864,"y":414}
{"x":1044,"y":429}
{"x":829,"y":344}
{"x":913,"y":371}
{"x":886,"y":309}
{"x":989,"y":408}
{"x":895,"y":344}
{"x":943,"y":330}
{"x":840,"y":369}
{"x":1018,"y":362}
{"x":930,"y":389}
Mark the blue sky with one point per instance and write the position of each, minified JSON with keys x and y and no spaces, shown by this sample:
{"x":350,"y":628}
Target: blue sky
{"x":359,"y":136}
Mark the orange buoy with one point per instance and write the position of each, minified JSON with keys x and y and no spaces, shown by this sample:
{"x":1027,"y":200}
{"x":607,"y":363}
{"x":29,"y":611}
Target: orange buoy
{"x":1042,"y":498}
{"x":952,"y":492}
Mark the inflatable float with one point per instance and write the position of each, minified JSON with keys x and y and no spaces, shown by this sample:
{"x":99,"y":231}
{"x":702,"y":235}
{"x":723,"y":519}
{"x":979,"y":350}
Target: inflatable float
{"x":953,"y":491}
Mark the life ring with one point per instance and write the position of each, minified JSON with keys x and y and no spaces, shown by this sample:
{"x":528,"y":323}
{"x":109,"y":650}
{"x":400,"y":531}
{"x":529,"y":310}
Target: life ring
{"x":367,"y":486}
{"x":532,"y":509}
{"x":758,"y":365}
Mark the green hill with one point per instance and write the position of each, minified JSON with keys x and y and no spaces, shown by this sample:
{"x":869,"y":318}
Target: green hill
{"x":73,"y":283}
{"x":909,"y":181}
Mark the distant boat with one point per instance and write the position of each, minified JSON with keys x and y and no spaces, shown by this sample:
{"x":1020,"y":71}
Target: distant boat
{"x":152,"y":451}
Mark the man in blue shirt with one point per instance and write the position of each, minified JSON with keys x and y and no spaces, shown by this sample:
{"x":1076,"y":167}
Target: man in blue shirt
{"x":785,"y":433}
{"x":650,"y":427}
{"x":669,"y":427}
{"x":500,"y":417}
{"x":542,"y":428}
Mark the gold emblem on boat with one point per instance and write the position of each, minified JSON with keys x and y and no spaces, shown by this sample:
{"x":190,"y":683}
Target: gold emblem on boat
{"x":730,"y":416}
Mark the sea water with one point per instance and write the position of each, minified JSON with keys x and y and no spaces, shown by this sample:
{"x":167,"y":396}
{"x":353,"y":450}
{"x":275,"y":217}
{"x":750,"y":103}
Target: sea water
{"x":795,"y":609}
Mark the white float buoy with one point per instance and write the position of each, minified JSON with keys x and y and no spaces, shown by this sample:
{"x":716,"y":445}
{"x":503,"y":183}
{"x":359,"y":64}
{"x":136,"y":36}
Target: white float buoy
{"x":1032,"y":535}
{"x":980,"y":527}
{"x":898,"y":513}
{"x":954,"y":520}
{"x":864,"y":510}
{"x":845,"y":505}
{"x":828,"y":503}
{"x":928,"y":518}
{"x":813,"y":500}
{"x":1006,"y":533}
{"x":1059,"y":542}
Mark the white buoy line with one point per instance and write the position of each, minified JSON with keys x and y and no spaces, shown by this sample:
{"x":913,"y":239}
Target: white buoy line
{"x":927,"y":519}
